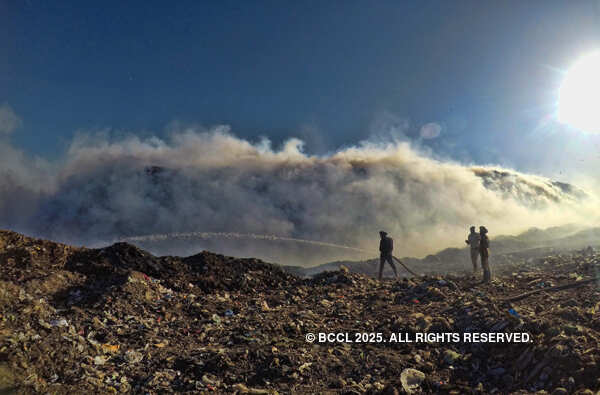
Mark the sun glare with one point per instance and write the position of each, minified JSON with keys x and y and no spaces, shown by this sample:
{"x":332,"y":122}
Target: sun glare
{"x":579,"y":96}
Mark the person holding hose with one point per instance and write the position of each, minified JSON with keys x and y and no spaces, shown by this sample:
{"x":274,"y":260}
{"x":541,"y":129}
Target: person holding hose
{"x":386,"y":246}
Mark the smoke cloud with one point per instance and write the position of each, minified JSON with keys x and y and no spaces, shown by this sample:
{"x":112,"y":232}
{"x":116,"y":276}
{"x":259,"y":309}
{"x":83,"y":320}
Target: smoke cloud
{"x":9,"y":121}
{"x":201,"y":180}
{"x":430,"y":130}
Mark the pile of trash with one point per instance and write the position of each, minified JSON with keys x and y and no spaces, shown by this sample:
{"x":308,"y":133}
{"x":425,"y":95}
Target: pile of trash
{"x":119,"y":320}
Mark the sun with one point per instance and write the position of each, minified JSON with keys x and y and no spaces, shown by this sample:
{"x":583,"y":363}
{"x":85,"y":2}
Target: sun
{"x":579,"y":95}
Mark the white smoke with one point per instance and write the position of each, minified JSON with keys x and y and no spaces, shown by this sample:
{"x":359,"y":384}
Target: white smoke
{"x":9,"y":120}
{"x":430,"y":131}
{"x":211,"y":181}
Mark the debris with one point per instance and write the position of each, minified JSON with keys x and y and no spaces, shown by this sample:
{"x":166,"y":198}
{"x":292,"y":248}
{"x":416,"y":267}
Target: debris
{"x":117,"y":319}
{"x":550,"y":289}
{"x":451,"y":356}
{"x":110,"y":348}
{"x":59,"y":323}
{"x":242,"y":389}
{"x":411,"y":379}
{"x":133,"y":356}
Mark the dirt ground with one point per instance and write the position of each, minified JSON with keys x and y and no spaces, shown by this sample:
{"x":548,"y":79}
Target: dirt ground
{"x":119,"y":320}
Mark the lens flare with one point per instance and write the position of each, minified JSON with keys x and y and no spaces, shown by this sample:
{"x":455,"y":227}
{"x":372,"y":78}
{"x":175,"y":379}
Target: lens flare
{"x":579,"y":96}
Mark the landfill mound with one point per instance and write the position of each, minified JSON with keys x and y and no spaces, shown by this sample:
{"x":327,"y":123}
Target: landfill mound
{"x":119,"y":320}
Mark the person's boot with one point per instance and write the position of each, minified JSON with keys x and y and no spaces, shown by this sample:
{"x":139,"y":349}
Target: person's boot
{"x":487,"y":278}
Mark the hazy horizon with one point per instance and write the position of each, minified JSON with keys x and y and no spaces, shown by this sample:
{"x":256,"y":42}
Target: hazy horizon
{"x":307,"y":121}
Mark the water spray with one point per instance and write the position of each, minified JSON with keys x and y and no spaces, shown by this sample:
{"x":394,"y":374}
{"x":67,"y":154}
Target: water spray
{"x":233,"y":235}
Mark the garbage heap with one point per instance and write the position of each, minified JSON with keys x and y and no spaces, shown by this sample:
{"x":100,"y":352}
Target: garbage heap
{"x":119,"y":320}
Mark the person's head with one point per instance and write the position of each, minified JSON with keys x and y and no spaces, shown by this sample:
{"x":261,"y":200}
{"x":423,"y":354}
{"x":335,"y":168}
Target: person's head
{"x":472,"y":229}
{"x":382,"y":234}
{"x":482,"y":230}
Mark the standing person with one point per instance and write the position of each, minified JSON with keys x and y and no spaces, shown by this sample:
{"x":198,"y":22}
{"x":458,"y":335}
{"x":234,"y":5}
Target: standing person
{"x":473,"y":240}
{"x":484,"y":250}
{"x":386,"y":246}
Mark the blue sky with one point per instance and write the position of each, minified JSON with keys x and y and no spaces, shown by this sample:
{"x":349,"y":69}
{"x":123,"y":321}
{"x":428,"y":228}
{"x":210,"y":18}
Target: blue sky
{"x":331,"y":72}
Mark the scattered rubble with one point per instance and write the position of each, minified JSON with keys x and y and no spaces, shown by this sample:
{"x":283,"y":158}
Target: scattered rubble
{"x":411,"y":379}
{"x":119,"y":320}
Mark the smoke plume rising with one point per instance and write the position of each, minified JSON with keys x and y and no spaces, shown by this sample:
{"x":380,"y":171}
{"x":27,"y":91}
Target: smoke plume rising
{"x":211,"y":181}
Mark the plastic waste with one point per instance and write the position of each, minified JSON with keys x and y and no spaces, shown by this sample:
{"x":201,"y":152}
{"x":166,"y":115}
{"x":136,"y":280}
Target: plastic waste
{"x":83,"y":320}
{"x":59,"y":323}
{"x":411,"y":379}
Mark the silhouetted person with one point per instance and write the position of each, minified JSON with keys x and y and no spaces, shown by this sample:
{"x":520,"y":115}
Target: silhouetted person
{"x":473,"y":241}
{"x":484,"y":250}
{"x":386,"y":246}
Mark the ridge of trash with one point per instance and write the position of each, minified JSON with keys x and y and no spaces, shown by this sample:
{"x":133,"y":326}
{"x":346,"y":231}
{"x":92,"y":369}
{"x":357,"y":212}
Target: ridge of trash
{"x":119,"y":320}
